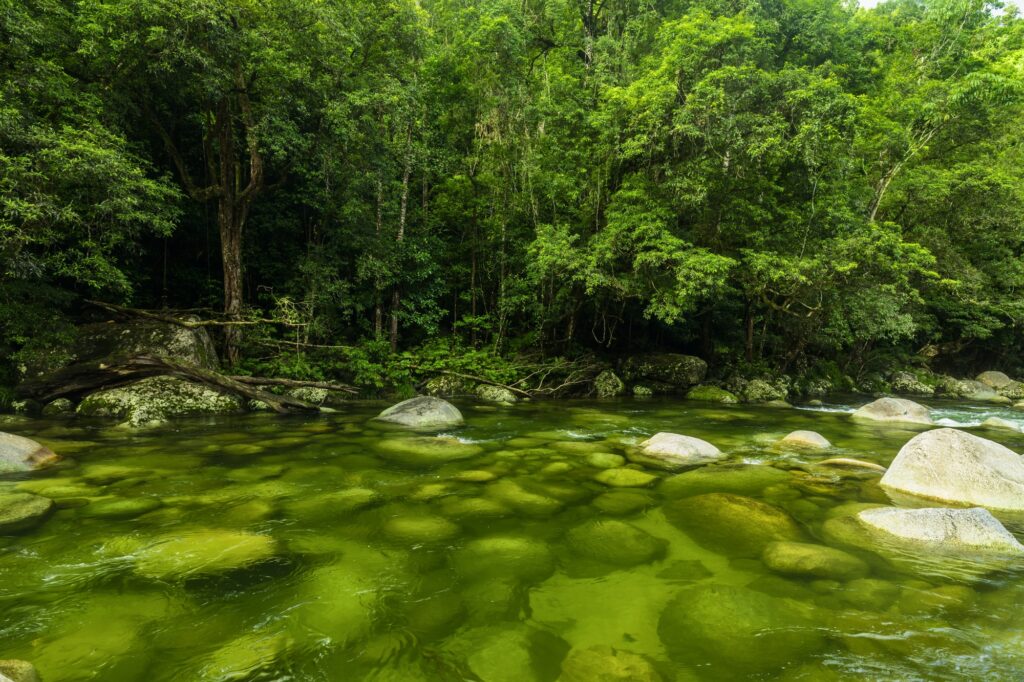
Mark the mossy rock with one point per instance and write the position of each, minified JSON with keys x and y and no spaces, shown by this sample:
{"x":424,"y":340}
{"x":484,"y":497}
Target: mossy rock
{"x":447,"y":386}
{"x":155,"y":400}
{"x":605,"y":460}
{"x":495,"y":394}
{"x":509,"y":652}
{"x":419,"y":529}
{"x":246,"y":657}
{"x":869,"y":594}
{"x":426,"y":451}
{"x":473,"y":508}
{"x":733,"y":632}
{"x":623,"y":502}
{"x":202,"y":553}
{"x":712,"y":394}
{"x":21,"y":511}
{"x":513,"y":494}
{"x":58,"y":408}
{"x":741,"y":480}
{"x":603,"y":663}
{"x":625,"y":478}
{"x":607,"y":384}
{"x":614,"y":542}
{"x":121,"y":508}
{"x":809,"y":560}
{"x":509,"y":557}
{"x":678,"y":371}
{"x":731,"y":524}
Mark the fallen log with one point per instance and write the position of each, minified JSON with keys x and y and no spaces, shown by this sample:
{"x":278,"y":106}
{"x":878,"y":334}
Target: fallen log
{"x":294,"y":383}
{"x":190,"y":324}
{"x":76,"y":380}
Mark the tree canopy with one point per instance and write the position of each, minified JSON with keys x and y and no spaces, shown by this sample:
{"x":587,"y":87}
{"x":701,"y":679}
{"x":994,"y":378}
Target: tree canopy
{"x":754,"y":181}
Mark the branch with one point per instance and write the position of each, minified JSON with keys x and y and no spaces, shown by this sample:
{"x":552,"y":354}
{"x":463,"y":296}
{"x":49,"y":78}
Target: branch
{"x":472,"y":377}
{"x":197,"y":193}
{"x":294,"y":383}
{"x":190,"y":324}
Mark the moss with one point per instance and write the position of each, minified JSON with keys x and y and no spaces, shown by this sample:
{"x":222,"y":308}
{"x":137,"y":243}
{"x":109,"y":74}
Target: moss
{"x":155,"y":400}
{"x":608,"y":385}
{"x":711,"y":394}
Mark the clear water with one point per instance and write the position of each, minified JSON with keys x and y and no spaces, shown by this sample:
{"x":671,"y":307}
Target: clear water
{"x":475,"y":567}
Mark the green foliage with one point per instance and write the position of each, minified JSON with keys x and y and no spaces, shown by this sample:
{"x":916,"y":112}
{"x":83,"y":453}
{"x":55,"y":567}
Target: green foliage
{"x":450,"y":183}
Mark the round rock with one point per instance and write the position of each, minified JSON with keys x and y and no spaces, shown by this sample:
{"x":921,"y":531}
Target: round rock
{"x":806,"y":439}
{"x":23,"y":454}
{"x":818,"y":561}
{"x":675,"y":451}
{"x":894,"y":410}
{"x":20,"y":511}
{"x":422,"y":412}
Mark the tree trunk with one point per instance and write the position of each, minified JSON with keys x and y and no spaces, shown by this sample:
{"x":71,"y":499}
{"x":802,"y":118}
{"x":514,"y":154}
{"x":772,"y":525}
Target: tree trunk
{"x":749,"y":324}
{"x":396,"y":298}
{"x":378,"y":310}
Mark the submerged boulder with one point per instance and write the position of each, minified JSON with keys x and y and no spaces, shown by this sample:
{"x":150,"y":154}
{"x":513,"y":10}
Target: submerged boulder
{"x":20,"y":511}
{"x":733,"y":631}
{"x":817,"y":561}
{"x":943,"y":530}
{"x":671,"y":370}
{"x":426,"y":451}
{"x":731,"y":524}
{"x":23,"y":454}
{"x":422,"y":412}
{"x":607,"y":384}
{"x":614,"y":542}
{"x":603,"y":663}
{"x":509,"y":652}
{"x":806,"y":439}
{"x":201,"y":553}
{"x":675,"y":451}
{"x":999,"y":423}
{"x":625,"y":478}
{"x":712,"y":394}
{"x":504,"y":557}
{"x":954,"y":466}
{"x":155,"y":400}
{"x":894,"y":410}
{"x":18,"y":671}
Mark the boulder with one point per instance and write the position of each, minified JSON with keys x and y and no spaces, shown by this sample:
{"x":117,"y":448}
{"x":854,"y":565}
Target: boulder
{"x":642,"y":391}
{"x":495,"y":394}
{"x":623,"y":502}
{"x":155,"y":400}
{"x":906,"y":383}
{"x":607,"y":384}
{"x":100,"y":341}
{"x":446,"y":385}
{"x":58,"y":407}
{"x":508,"y":652}
{"x":1012,"y":391}
{"x":733,"y":632}
{"x":426,"y":451}
{"x":625,"y":478}
{"x":670,"y":369}
{"x":674,"y":451}
{"x":731,"y":524}
{"x":815,"y":561}
{"x":246,"y":657}
{"x":993,"y":379}
{"x":943,"y":530}
{"x":527,"y":502}
{"x":17,"y":671}
{"x":420,"y":529}
{"x":23,"y":454}
{"x":806,"y":439}
{"x":20,"y":511}
{"x":121,"y":508}
{"x":202,"y":553}
{"x":602,"y":663}
{"x":1000,"y":423}
{"x":422,"y":411}
{"x":967,"y":389}
{"x":711,"y":394}
{"x":954,"y":466}
{"x":894,"y":410}
{"x":504,"y":557}
{"x":762,"y":391}
{"x":614,"y":542}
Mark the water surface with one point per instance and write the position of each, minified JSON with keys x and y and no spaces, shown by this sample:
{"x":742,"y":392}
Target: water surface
{"x":492,"y":553}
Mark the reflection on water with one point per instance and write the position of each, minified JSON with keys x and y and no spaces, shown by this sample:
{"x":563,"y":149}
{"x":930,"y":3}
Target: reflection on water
{"x":334,"y":548}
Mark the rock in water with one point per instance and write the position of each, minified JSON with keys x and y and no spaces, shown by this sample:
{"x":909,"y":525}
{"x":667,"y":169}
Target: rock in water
{"x":607,"y":384}
{"x":953,"y":466}
{"x":806,"y":439}
{"x":18,"y":671}
{"x":675,"y":451}
{"x":625,"y":478}
{"x":23,"y":454}
{"x":19,"y":511}
{"x":712,"y":394}
{"x":817,"y":561}
{"x":670,"y":370}
{"x":422,"y":412}
{"x":737,"y":631}
{"x":994,"y":380}
{"x":999,"y":423}
{"x":202,"y":553}
{"x":605,"y":664}
{"x":495,"y":394}
{"x":731,"y":524}
{"x":944,"y":530}
{"x":894,"y":410}
{"x":511,"y":557}
{"x":154,"y":400}
{"x":615,"y":542}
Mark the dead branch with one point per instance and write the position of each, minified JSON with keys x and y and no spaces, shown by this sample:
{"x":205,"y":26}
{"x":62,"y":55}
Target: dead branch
{"x":294,"y":383}
{"x":190,"y":324}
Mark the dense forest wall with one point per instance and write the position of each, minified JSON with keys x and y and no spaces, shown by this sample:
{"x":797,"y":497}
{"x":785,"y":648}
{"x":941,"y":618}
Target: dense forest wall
{"x":778,"y":184}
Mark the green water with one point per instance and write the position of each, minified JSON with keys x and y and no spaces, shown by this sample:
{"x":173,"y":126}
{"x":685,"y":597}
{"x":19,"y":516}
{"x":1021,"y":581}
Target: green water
{"x":332,"y":548}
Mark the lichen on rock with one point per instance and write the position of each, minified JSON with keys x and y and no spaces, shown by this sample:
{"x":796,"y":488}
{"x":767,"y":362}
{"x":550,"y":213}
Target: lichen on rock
{"x":154,"y":400}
